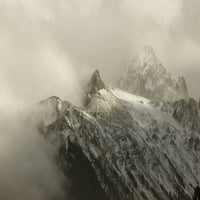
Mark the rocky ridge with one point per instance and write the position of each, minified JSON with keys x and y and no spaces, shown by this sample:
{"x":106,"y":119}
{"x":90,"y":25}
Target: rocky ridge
{"x":124,"y":147}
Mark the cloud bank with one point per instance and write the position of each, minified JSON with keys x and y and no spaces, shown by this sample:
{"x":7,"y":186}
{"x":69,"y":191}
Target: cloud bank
{"x":53,"y":45}
{"x":27,"y":167}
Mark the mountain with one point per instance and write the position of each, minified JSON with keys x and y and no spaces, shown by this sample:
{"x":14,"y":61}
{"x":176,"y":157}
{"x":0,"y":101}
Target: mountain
{"x":147,"y":77}
{"x":120,"y":146}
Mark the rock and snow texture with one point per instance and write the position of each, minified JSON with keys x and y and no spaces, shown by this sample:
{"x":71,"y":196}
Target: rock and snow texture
{"x":130,"y":146}
{"x":93,"y":86}
{"x":147,"y":77}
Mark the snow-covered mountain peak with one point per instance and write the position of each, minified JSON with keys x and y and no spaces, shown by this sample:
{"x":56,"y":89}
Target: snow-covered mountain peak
{"x":147,"y":77}
{"x":147,"y":55}
{"x":134,"y":147}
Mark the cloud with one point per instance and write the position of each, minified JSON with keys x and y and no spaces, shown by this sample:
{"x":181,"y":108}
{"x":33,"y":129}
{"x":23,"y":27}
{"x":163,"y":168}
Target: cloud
{"x":33,"y":66}
{"x":27,"y":167}
{"x":59,"y":43}
{"x":190,"y":19}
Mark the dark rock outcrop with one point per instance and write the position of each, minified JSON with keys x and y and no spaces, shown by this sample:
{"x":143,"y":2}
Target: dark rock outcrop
{"x":93,"y":86}
{"x":186,"y":113}
{"x":199,"y":104}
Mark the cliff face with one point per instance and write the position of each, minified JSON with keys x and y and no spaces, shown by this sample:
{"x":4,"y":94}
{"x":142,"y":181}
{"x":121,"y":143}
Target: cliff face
{"x":147,"y":77}
{"x":125,"y":147}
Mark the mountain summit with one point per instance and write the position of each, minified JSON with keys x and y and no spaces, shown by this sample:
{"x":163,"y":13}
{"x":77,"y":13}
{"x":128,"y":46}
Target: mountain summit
{"x":147,"y":77}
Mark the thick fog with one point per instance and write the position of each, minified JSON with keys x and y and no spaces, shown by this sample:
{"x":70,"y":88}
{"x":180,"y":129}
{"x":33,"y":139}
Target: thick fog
{"x":50,"y":47}
{"x":27,"y":169}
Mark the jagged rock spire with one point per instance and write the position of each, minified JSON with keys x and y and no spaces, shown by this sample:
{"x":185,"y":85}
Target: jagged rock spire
{"x":95,"y":84}
{"x":147,"y":77}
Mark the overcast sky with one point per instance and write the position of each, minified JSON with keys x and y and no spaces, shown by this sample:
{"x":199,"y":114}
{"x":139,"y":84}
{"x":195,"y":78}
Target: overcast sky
{"x":48,"y":47}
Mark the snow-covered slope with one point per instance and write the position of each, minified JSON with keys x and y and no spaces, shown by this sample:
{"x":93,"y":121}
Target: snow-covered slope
{"x":127,"y":147}
{"x":147,"y":77}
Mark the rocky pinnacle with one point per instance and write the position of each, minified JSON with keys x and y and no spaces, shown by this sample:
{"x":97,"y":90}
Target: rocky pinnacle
{"x":95,"y":84}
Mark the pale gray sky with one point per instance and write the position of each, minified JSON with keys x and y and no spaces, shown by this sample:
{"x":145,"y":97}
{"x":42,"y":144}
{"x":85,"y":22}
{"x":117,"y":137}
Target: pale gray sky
{"x":48,"y":47}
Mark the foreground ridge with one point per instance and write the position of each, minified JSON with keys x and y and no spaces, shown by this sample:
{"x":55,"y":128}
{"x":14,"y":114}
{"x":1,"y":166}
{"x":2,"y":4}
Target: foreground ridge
{"x":125,"y":147}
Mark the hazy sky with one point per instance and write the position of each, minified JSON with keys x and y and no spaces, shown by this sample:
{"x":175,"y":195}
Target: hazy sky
{"x":50,"y":47}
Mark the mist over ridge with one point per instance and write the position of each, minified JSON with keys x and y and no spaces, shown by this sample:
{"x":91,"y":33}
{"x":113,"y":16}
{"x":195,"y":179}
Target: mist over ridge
{"x":51,"y":47}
